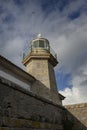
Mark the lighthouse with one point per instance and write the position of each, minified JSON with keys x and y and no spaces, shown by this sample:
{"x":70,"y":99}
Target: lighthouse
{"x":40,"y":61}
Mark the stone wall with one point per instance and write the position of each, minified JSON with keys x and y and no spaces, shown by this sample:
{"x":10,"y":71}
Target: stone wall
{"x":43,"y":71}
{"x":78,"y":114}
{"x":53,"y":85}
{"x":16,"y":75}
{"x":20,"y":109}
{"x":39,"y":69}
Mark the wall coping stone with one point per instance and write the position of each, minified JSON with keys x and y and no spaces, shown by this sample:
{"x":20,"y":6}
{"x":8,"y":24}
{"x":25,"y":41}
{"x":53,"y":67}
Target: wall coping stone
{"x":80,"y":105}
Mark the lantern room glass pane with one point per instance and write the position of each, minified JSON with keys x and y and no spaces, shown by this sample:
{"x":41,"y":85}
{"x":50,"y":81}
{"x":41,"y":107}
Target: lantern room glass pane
{"x":47,"y":45}
{"x":35,"y":44}
{"x":41,"y":43}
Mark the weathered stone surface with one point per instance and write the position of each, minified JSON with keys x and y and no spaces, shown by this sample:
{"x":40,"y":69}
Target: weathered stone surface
{"x":40,"y":63}
{"x":39,"y":69}
{"x":40,"y":87}
{"x":43,"y":71}
{"x":26,"y":123}
{"x":21,"y":108}
{"x":79,"y":112}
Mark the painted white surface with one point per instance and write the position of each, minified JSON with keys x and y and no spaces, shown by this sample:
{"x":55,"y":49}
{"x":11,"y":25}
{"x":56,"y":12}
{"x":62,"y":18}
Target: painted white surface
{"x":14,"y":80}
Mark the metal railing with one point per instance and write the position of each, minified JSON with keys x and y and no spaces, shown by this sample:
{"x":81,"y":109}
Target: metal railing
{"x":29,"y":50}
{"x":26,"y":52}
{"x":53,"y":53}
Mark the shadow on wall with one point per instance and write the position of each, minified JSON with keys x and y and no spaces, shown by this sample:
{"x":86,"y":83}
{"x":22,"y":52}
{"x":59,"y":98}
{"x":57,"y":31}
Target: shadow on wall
{"x":22,"y":109}
{"x":41,"y":90}
{"x":70,"y":121}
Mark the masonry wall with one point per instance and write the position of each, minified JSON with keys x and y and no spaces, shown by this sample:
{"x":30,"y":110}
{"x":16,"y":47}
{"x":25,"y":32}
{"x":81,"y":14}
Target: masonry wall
{"x":39,"y":69}
{"x":78,"y":115}
{"x":20,"y":109}
{"x":43,"y":71}
{"x":23,"y":110}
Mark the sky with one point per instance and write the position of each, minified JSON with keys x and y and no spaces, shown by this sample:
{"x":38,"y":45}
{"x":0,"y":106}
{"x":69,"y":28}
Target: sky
{"x":64,"y":24}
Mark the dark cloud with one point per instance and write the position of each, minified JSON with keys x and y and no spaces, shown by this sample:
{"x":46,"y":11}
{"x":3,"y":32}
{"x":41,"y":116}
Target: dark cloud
{"x":84,"y":83}
{"x":74,"y":15}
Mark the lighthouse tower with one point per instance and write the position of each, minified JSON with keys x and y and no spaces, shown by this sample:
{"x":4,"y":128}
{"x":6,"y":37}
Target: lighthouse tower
{"x":40,"y":62}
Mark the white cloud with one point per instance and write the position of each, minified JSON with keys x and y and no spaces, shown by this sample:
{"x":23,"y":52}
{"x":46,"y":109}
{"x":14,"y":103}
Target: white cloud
{"x":77,"y":94}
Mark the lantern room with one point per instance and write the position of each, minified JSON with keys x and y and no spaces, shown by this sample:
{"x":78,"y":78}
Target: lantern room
{"x":40,"y":43}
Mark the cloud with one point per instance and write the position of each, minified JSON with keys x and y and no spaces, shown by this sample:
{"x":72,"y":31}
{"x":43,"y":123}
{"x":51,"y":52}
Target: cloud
{"x":77,"y":94}
{"x":21,"y":21}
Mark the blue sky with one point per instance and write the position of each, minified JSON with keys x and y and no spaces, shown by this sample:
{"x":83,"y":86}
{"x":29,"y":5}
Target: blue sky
{"x":64,"y":24}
